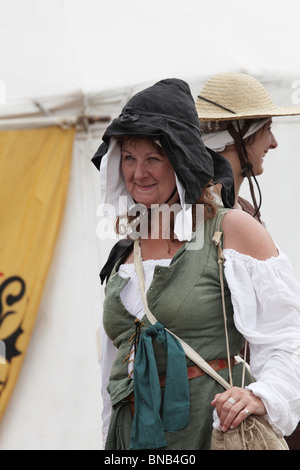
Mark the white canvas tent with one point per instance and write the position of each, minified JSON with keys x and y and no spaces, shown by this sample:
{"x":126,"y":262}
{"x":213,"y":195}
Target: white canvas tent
{"x":66,"y":60}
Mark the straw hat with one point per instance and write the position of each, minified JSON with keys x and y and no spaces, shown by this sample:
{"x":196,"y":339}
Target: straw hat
{"x":230,"y":96}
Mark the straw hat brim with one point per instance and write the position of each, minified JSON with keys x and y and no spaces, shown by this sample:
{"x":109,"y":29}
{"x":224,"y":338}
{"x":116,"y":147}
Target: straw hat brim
{"x":231,"y":96}
{"x":215,"y":115}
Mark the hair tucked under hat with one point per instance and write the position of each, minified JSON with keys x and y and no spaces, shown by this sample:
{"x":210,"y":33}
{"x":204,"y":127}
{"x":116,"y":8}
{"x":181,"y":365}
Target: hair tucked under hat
{"x":232,"y":106}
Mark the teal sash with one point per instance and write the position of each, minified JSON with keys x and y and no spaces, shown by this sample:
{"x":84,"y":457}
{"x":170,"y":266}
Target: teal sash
{"x":148,"y":424}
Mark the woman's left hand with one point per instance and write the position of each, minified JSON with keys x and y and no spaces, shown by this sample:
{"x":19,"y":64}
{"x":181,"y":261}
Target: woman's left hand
{"x":234,"y":405}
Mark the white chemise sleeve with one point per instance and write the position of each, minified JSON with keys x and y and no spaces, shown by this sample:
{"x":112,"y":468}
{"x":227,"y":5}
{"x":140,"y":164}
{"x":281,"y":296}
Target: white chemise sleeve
{"x":266,"y":302}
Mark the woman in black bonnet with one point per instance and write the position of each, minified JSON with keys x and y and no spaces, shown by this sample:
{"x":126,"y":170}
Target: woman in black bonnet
{"x":160,"y":179}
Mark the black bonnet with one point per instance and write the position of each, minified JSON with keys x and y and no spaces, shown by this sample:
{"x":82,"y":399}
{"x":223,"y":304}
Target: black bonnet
{"x":166,"y":111}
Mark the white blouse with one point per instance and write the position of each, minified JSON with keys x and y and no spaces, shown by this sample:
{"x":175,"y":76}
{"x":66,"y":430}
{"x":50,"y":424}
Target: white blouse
{"x":266,"y":302}
{"x":130,"y":294}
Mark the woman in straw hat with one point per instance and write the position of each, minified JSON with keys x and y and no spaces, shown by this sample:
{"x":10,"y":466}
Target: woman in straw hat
{"x":235,"y":112}
{"x":152,"y":159}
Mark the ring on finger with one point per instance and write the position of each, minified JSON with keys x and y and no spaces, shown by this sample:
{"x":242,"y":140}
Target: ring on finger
{"x":231,"y":400}
{"x":248,"y":413}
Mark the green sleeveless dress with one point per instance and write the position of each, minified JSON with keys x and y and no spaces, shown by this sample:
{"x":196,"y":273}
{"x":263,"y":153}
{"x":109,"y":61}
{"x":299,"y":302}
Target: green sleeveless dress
{"x":186,"y":298}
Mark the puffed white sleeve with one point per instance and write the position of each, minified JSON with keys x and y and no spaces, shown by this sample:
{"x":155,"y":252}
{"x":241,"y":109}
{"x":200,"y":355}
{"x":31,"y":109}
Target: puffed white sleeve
{"x":266,"y":302}
{"x":108,"y":353}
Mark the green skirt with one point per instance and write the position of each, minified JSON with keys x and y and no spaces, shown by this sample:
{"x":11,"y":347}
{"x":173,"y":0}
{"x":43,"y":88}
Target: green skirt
{"x":197,"y":434}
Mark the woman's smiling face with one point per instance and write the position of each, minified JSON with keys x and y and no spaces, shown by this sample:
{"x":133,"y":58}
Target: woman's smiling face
{"x":263,"y":142}
{"x":148,"y":173}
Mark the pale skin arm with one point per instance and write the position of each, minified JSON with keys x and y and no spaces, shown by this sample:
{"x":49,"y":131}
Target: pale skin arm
{"x":244,"y":234}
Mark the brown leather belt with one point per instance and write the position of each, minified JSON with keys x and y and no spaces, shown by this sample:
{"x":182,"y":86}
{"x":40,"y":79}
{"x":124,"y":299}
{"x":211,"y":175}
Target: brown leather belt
{"x":193,"y":372}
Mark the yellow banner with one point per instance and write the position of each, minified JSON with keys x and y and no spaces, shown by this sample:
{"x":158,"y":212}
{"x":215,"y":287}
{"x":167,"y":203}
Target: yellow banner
{"x":34,"y":176}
